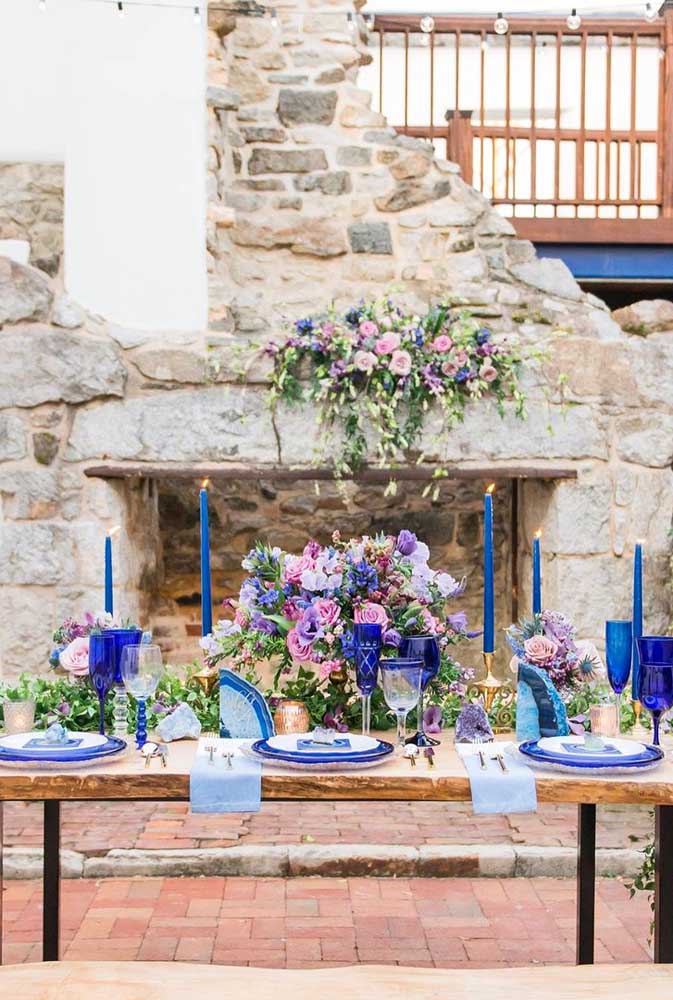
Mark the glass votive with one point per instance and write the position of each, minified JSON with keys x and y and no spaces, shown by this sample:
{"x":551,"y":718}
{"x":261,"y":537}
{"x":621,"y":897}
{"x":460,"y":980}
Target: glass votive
{"x":291,"y":717}
{"x":19,"y":716}
{"x":604,"y":720}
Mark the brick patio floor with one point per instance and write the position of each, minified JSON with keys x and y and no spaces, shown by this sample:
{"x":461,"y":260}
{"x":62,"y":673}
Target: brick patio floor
{"x":305,"y":922}
{"x":97,"y":827}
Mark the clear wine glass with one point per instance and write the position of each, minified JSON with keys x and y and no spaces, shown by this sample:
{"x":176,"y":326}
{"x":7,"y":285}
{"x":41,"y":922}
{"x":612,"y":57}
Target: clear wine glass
{"x":655,"y":682}
{"x":102,"y":667}
{"x":618,"y":650}
{"x":367,"y":639}
{"x":142,"y":668}
{"x":401,"y":679}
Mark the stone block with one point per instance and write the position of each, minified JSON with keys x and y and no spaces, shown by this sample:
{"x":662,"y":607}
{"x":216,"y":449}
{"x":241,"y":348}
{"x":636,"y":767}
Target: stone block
{"x":605,"y":373}
{"x":335,"y":182}
{"x":271,"y":861}
{"x":316,"y":236}
{"x":411,"y":166}
{"x":549,"y":275}
{"x":262,"y":133}
{"x":353,"y":156}
{"x":222,"y":98}
{"x":492,"y":223}
{"x":587,"y":586}
{"x":286,"y":161}
{"x":25,"y":292}
{"x":272,"y":59}
{"x":370,"y":237}
{"x":306,"y":107}
{"x":467,"y":266}
{"x":72,"y":368}
{"x":408,"y":194}
{"x":36,"y":554}
{"x":330,"y":74}
{"x":449,"y":213}
{"x":67,"y":313}
{"x":171,"y":365}
{"x":577,"y":518}
{"x":646,"y":438}
{"x":332,"y":860}
{"x":355,"y":116}
{"x":247,"y":82}
{"x":45,"y":447}
{"x":12,"y":437}
{"x":648,"y":316}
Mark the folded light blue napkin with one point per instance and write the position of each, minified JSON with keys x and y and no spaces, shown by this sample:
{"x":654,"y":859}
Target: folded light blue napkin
{"x":497,"y":791}
{"x":218,"y":788}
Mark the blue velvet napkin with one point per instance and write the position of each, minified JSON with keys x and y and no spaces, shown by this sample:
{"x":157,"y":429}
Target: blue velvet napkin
{"x":497,"y":791}
{"x":218,"y":788}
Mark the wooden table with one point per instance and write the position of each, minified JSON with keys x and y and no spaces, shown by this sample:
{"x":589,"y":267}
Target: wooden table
{"x":128,"y":779}
{"x":175,"y":981}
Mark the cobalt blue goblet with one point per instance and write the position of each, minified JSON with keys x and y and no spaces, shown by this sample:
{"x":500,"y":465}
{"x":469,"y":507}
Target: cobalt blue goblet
{"x":618,"y":649}
{"x":101,"y":669}
{"x":425,"y":648}
{"x":367,"y":640}
{"x":655,"y":684}
{"x":122,"y":637}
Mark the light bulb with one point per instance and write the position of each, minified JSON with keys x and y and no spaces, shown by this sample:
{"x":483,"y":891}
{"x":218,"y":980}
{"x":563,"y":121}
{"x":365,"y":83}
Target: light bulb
{"x":369,"y":22}
{"x":120,"y":8}
{"x":573,"y":20}
{"x":197,"y":15}
{"x":42,"y":4}
{"x":427,"y":24}
{"x":275,"y":22}
{"x":650,"y":14}
{"x":501,"y":25}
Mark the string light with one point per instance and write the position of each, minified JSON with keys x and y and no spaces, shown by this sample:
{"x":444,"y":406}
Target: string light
{"x":352,"y":26}
{"x":275,"y":21}
{"x":120,"y":8}
{"x":573,"y":20}
{"x":650,"y":14}
{"x":427,"y":24}
{"x":501,"y":25}
{"x":197,"y":15}
{"x":42,"y":5}
{"x":369,"y":22}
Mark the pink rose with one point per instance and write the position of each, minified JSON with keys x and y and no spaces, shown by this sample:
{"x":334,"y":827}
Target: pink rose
{"x":364,"y":361}
{"x":442,"y":343}
{"x":328,"y":611}
{"x":429,"y":621}
{"x":400,"y":363}
{"x":75,"y":657}
{"x":328,"y":667}
{"x":368,"y":328}
{"x":540,"y":650}
{"x":461,"y":358}
{"x":450,"y":368}
{"x":371,"y":614}
{"x":388,"y":343}
{"x":299,"y":650}
{"x":295,"y":566}
{"x":488,"y":372}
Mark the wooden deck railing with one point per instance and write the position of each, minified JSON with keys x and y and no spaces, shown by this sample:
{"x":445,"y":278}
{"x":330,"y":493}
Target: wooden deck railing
{"x":568,"y":132}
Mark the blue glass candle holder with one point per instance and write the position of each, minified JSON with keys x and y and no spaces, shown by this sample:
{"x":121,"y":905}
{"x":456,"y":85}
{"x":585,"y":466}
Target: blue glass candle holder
{"x":618,"y":650}
{"x":367,"y":641}
{"x":425,"y":648}
{"x":655,"y":681}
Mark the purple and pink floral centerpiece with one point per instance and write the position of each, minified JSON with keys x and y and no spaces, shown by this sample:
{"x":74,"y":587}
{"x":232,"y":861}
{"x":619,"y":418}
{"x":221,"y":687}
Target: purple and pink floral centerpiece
{"x":298,"y":611}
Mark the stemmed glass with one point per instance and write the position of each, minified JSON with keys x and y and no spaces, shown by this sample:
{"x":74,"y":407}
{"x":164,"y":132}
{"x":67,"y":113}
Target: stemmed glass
{"x":401,"y":678}
{"x":367,"y":644}
{"x":101,"y":669}
{"x":655,"y":685}
{"x":618,"y":650}
{"x":141,"y":669}
{"x":425,"y":648}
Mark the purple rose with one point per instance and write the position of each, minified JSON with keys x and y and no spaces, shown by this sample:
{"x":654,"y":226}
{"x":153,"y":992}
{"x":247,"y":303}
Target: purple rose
{"x":391,"y":637}
{"x":406,"y":542}
{"x":458,"y":621}
{"x":308,"y":627}
{"x":262,"y":624}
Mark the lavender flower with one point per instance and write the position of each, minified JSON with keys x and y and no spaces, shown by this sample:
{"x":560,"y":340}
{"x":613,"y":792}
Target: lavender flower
{"x":391,"y":637}
{"x":407,"y":542}
{"x":458,"y":621}
{"x":263,"y":624}
{"x":308,"y":627}
{"x":432,"y":719}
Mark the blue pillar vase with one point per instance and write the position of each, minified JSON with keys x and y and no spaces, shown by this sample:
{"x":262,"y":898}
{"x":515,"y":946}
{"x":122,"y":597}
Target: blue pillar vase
{"x":539,"y":708}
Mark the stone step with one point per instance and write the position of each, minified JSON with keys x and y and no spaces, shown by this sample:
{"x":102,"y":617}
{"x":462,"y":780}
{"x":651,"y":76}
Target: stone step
{"x":329,"y":860}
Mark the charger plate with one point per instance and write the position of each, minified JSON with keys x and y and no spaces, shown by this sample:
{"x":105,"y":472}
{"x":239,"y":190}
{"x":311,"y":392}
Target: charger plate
{"x":30,"y":750}
{"x":365,"y":751}
{"x":569,"y":753}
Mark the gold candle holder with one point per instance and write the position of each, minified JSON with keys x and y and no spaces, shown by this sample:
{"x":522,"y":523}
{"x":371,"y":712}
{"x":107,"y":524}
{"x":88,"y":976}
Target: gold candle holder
{"x":490,"y":685}
{"x":206,"y":678}
{"x":291,"y":717}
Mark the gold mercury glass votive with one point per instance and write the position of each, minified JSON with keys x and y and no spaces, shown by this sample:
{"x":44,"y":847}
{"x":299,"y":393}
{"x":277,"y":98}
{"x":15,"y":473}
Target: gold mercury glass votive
{"x":19,"y":716}
{"x":291,"y":717}
{"x":604,"y":721}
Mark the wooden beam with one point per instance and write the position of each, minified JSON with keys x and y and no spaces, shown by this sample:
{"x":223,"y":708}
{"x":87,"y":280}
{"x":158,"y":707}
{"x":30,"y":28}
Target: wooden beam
{"x":407,"y":473}
{"x":630,"y":231}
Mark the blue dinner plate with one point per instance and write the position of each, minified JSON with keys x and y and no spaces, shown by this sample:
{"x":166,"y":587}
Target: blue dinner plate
{"x":92,"y":747}
{"x":283,"y":750}
{"x":597,"y":761}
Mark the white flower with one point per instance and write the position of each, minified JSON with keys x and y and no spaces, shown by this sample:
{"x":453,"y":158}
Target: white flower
{"x":209,"y":645}
{"x":446,"y":584}
{"x":313,"y":579}
{"x":587,"y":651}
{"x":420,"y":555}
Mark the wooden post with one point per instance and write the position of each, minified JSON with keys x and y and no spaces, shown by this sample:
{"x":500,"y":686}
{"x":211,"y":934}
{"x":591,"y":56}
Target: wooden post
{"x":666,"y":151}
{"x":459,"y":140}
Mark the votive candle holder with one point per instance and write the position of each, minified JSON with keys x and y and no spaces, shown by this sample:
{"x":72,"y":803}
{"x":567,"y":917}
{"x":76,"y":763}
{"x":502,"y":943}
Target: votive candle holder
{"x":19,"y":716}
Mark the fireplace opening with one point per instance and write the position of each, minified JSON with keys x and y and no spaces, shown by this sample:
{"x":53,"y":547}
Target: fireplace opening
{"x":287,"y":514}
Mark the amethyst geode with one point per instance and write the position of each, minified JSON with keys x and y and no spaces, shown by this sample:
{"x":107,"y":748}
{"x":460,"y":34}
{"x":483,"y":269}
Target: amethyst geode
{"x":472,"y":724}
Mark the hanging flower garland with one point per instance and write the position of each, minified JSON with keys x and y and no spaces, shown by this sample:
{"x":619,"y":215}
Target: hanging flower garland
{"x":376,"y":370}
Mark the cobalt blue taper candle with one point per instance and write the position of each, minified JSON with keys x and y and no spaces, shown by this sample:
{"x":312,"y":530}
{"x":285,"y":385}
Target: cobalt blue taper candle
{"x":109,"y":601}
{"x":537,"y":575}
{"x":489,"y":586}
{"x":206,"y":593}
{"x":637,"y":616}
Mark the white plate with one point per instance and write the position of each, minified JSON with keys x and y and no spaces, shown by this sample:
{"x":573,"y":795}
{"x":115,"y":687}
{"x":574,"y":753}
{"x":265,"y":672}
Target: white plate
{"x":358,"y":743}
{"x":18,"y":741}
{"x":564,"y":746}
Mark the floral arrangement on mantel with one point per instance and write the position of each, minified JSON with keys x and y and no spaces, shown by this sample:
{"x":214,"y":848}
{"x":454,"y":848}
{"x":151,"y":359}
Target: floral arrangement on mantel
{"x":71,"y":641}
{"x":376,"y":370}
{"x":549,"y":641}
{"x":298,"y":611}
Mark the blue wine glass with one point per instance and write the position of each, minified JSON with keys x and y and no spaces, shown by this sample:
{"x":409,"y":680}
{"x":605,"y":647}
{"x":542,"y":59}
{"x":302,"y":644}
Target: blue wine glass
{"x":655,"y":683}
{"x":401,"y":680}
{"x":425,"y":648}
{"x":367,"y":641}
{"x":101,"y":669}
{"x":618,"y":650}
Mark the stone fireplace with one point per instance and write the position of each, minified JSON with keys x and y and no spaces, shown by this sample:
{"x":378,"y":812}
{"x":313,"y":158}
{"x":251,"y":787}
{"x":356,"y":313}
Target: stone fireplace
{"x":312,"y":198}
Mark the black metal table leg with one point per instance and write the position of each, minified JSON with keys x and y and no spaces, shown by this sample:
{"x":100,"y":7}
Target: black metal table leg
{"x":2,"y":887}
{"x":586,"y":883}
{"x":51,"y":881}
{"x":663,"y":884}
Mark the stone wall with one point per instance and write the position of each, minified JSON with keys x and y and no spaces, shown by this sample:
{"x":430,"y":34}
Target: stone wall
{"x":312,"y":198}
{"x":31,"y":209}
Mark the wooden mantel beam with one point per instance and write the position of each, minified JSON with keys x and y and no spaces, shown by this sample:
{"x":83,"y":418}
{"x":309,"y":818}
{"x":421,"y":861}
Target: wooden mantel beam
{"x":407,"y":473}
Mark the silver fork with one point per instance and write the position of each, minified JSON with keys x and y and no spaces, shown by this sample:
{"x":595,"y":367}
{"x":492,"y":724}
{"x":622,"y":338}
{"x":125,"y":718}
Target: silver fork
{"x":209,"y":747}
{"x":501,"y":761}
